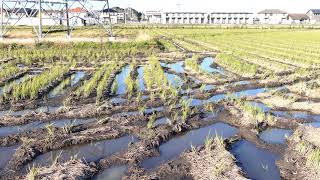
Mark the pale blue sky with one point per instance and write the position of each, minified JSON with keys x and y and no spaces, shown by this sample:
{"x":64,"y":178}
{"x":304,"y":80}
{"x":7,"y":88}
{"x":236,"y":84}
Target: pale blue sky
{"x":219,"y":5}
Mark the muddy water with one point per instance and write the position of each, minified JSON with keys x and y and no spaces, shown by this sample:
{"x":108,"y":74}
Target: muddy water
{"x":154,"y":109}
{"x":121,"y":80}
{"x":174,"y":147}
{"x":275,"y":136}
{"x":176,"y":67}
{"x":64,"y":85}
{"x":241,"y":83}
{"x":174,"y":80}
{"x":287,"y":114}
{"x":256,"y":163}
{"x":5,"y":155}
{"x":113,"y":173}
{"x":17,"y":81}
{"x":162,"y":121}
{"x":193,"y":102}
{"x":48,"y":109}
{"x":206,"y":66}
{"x":296,"y":115}
{"x":77,"y":77}
{"x":314,"y":124}
{"x":118,"y":100}
{"x":88,"y":152}
{"x":6,"y":131}
{"x":260,"y":105}
{"x":248,"y":92}
{"x":141,"y":84}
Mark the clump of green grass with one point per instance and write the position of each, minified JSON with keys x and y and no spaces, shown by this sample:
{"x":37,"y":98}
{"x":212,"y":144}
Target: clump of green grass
{"x":33,"y":172}
{"x":152,"y":120}
{"x":208,"y":142}
{"x":314,"y":157}
{"x":192,"y":63}
{"x":31,"y":87}
{"x":50,"y":134}
{"x":115,"y":87}
{"x":236,"y":65}
{"x":130,"y":86}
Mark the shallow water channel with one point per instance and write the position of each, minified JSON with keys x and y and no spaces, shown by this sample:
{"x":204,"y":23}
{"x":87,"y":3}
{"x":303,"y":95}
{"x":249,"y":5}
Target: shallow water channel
{"x":206,"y":66}
{"x":6,"y":131}
{"x":5,"y":155}
{"x":47,"y":109}
{"x":65,"y":84}
{"x":120,"y":81}
{"x":174,"y":147}
{"x":89,"y":152}
{"x":112,"y":173}
{"x":255,"y":162}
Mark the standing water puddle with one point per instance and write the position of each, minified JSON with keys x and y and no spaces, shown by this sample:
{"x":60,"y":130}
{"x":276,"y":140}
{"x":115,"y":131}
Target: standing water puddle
{"x":248,"y":92}
{"x":176,"y":67}
{"x":89,"y":152}
{"x":140,"y":79}
{"x":5,"y":155}
{"x":6,"y":131}
{"x":287,"y":114}
{"x":161,"y":121}
{"x":174,"y":80}
{"x":275,"y":136}
{"x":206,"y":66}
{"x":120,"y":81}
{"x":173,"y":148}
{"x":296,"y":115}
{"x":314,"y":124}
{"x":68,"y":82}
{"x":256,"y":163}
{"x":112,"y":173}
{"x":17,"y":81}
{"x":47,"y":109}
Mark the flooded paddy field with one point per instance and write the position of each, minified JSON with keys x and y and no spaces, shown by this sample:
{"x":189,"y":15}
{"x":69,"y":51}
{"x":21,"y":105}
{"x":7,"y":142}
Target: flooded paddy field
{"x":180,"y":105}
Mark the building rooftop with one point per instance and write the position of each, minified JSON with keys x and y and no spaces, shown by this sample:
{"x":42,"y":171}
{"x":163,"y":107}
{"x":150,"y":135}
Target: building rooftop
{"x":299,"y":17}
{"x":315,"y":11}
{"x":272,"y":11}
{"x":78,"y":10}
{"x":231,"y":13}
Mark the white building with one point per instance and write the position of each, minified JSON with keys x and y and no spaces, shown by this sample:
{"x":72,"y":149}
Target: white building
{"x":272,"y":16}
{"x":185,"y":18}
{"x":231,"y":18}
{"x":158,"y":17}
{"x":109,"y":14}
{"x":153,"y":17}
{"x":298,"y":19}
{"x":314,"y":15}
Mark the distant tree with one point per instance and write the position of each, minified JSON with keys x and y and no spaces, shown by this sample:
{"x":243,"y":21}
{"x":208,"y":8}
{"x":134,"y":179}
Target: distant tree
{"x":139,"y":16}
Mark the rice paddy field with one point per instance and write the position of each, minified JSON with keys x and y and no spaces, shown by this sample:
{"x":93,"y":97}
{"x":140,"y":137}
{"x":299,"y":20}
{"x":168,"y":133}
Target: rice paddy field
{"x":166,"y":103}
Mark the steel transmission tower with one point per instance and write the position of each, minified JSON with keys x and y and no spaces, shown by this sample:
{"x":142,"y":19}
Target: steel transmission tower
{"x":55,"y":11}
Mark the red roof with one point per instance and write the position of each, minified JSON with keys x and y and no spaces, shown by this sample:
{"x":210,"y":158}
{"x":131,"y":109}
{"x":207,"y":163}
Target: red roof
{"x":78,"y":10}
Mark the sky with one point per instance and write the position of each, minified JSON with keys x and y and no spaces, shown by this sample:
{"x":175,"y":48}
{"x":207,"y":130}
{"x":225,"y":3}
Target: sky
{"x":291,"y":6}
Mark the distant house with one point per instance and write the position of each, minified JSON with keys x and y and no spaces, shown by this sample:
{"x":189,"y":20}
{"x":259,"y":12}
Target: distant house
{"x":314,"y":15}
{"x":78,"y":16}
{"x":153,"y":17}
{"x":231,"y":18}
{"x":298,"y":19}
{"x":272,"y":16}
{"x":20,"y":12}
{"x":185,"y":18}
{"x":112,"y":16}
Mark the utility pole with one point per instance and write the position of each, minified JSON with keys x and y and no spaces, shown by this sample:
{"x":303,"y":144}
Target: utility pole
{"x":2,"y":15}
{"x":110,"y":33}
{"x":40,"y":20}
{"x":68,"y":23}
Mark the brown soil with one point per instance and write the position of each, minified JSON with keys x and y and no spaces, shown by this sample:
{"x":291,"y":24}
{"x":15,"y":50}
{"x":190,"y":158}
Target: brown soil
{"x":296,"y":162}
